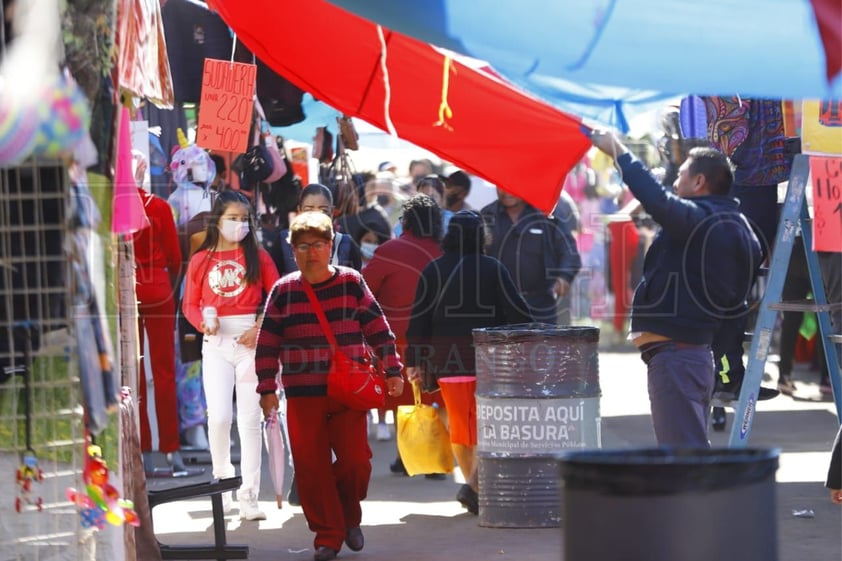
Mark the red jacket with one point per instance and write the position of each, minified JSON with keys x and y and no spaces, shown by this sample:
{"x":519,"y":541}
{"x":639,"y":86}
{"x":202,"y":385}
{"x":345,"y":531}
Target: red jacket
{"x":392,"y":275}
{"x":156,"y":246}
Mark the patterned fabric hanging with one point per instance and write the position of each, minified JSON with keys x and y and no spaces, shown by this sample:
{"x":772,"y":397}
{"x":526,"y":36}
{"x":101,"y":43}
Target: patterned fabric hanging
{"x":751,"y":133}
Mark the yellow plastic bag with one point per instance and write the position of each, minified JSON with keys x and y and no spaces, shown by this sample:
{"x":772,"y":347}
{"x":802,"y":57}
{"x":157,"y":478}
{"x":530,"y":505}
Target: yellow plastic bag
{"x":423,"y":441}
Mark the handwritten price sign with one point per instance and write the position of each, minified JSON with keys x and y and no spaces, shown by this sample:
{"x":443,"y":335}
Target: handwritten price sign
{"x":827,"y":203}
{"x":225,"y":109}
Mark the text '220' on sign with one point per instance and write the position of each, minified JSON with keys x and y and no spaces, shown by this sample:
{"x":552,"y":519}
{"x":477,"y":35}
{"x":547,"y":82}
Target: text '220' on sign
{"x":226,"y":105}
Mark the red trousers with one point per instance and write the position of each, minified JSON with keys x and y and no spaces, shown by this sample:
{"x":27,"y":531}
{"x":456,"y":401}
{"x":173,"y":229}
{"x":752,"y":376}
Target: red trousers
{"x":622,"y":253}
{"x":156,"y":316}
{"x":330,"y":492}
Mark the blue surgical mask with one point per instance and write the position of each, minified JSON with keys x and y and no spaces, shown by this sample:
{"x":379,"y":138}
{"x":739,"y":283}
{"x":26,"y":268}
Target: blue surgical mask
{"x":367,"y":249}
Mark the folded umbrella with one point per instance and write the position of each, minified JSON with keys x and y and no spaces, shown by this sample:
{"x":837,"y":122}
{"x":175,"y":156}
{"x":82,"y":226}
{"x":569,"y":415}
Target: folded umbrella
{"x":275,"y":447}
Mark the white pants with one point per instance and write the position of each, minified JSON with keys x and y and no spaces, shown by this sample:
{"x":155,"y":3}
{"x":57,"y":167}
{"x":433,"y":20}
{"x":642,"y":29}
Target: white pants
{"x":226,"y":366}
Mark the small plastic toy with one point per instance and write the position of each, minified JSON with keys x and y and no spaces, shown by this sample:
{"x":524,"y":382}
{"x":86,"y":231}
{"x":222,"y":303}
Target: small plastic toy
{"x":27,"y":475}
{"x":100,"y":501}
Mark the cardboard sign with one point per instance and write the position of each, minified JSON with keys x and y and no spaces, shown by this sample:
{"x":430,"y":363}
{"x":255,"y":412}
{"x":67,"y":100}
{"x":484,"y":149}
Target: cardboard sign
{"x":226,"y":105}
{"x":821,"y":128}
{"x":827,"y":203}
{"x":300,"y":160}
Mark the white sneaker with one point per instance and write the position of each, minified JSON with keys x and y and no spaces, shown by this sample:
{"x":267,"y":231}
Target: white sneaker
{"x":383,"y":432}
{"x":249,"y":509}
{"x":227,"y":501}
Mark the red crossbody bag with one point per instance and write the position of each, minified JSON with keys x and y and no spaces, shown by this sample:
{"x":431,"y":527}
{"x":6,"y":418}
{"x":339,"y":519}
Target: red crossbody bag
{"x":355,"y":384}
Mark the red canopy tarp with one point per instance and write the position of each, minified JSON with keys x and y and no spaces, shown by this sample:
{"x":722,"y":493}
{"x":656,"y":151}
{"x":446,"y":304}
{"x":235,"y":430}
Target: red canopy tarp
{"x":497,"y":132}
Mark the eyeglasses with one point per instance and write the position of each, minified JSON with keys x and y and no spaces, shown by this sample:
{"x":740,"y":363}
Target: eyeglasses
{"x":305,"y":247}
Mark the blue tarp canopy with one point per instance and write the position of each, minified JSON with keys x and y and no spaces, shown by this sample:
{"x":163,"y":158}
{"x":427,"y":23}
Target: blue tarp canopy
{"x":608,"y":60}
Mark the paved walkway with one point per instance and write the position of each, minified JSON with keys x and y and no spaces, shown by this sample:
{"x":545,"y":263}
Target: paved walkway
{"x":411,"y":519}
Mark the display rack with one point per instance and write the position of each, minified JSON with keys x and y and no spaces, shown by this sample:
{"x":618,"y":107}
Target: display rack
{"x":41,"y":434}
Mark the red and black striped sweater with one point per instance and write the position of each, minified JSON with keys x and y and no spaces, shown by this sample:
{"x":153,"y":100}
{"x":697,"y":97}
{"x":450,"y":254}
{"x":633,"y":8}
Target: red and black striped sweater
{"x":290,"y":335}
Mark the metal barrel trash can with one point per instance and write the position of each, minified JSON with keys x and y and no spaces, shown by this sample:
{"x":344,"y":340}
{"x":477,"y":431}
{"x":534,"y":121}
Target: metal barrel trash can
{"x":670,"y":504}
{"x":537,"y":394}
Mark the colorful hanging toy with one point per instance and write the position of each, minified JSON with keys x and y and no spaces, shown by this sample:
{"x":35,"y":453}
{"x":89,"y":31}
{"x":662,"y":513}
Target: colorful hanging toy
{"x":63,"y":117}
{"x":100,"y":502}
{"x":28,"y":474}
{"x":51,"y":122}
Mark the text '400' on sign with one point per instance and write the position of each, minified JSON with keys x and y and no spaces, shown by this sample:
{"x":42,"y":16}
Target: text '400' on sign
{"x":226,"y":106}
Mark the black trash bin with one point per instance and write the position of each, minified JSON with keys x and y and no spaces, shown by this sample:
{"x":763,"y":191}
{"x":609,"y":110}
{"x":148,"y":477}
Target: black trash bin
{"x":537,"y":395}
{"x":669,"y":505}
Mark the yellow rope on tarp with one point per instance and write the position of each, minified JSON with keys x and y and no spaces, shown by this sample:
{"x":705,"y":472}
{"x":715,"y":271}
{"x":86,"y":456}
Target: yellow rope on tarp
{"x":445,"y":112}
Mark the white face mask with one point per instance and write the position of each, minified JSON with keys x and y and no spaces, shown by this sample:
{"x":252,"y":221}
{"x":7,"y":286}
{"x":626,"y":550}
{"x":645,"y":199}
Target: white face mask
{"x":367,"y":249}
{"x":233,"y":230}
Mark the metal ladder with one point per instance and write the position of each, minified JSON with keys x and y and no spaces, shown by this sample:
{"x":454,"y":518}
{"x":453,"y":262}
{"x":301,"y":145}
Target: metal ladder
{"x":793,"y":215}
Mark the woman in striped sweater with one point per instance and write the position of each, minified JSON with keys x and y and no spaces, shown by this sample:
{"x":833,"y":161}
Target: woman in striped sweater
{"x":319,"y":427}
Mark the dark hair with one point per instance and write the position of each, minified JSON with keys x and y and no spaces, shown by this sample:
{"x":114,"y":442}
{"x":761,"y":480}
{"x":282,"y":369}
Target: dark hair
{"x":361,"y":178}
{"x":426,"y":162}
{"x":465,"y":233}
{"x":315,"y":189}
{"x":369,"y":219}
{"x":459,"y":179}
{"x":433,"y":181}
{"x":367,"y":223}
{"x":345,"y":195}
{"x":219,"y":162}
{"x":249,"y":244}
{"x":714,"y":165}
{"x":422,"y":217}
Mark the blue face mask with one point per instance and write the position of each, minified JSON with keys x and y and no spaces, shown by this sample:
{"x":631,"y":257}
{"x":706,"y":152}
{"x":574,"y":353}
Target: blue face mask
{"x":367,"y":249}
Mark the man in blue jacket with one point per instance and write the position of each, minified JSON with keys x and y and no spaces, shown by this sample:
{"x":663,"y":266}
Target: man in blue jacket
{"x":697,"y":275}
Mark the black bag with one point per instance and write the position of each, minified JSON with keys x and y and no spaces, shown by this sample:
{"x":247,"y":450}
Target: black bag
{"x":257,"y":165}
{"x":283,"y":194}
{"x":189,"y":339}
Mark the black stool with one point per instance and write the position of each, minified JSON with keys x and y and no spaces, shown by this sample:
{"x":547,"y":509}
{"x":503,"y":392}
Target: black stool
{"x":220,"y":550}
